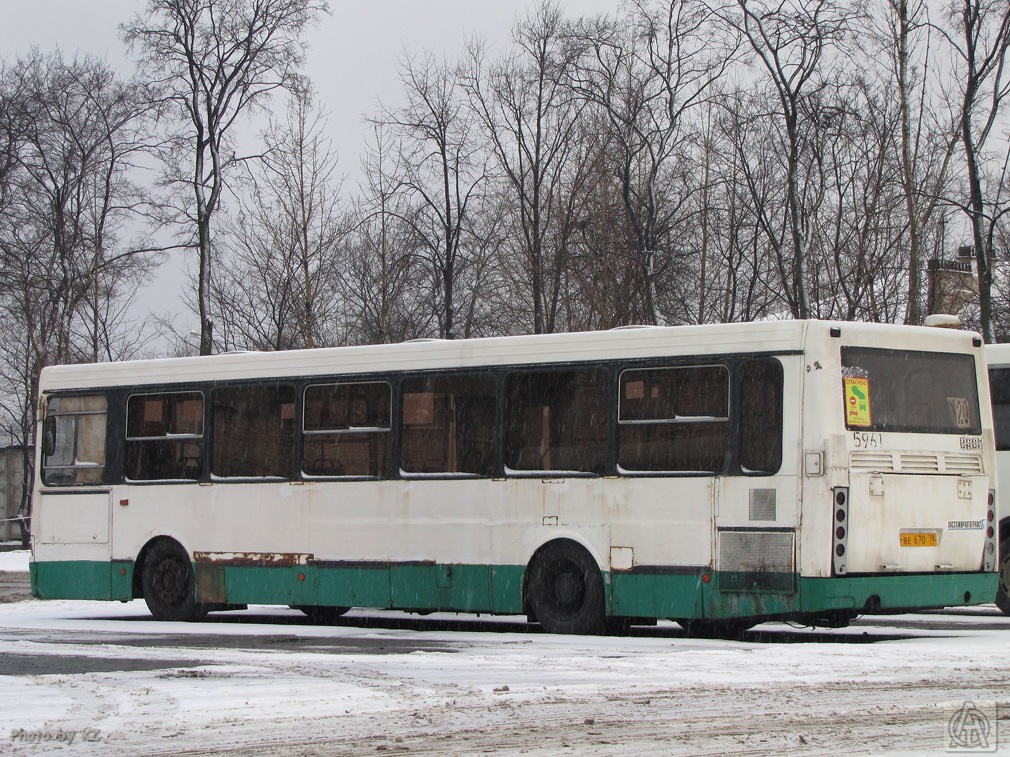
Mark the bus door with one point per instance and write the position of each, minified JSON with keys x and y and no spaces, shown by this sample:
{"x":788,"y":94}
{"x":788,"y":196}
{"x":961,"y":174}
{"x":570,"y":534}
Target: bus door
{"x":73,"y":509}
{"x":757,"y":504}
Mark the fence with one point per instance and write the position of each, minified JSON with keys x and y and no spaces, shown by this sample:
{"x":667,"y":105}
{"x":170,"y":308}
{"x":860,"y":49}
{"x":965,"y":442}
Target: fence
{"x":11,"y":488}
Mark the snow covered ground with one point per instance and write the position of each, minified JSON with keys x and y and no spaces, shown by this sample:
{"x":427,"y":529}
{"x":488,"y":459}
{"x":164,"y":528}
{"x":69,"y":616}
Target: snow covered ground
{"x":14,"y":561}
{"x":103,"y":678}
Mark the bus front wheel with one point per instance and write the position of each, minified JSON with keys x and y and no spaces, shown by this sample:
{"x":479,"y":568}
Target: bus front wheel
{"x":565,"y":590}
{"x":1003,"y":587}
{"x":169,"y":583}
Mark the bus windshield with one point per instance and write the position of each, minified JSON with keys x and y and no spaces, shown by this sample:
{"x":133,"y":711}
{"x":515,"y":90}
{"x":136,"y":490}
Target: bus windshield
{"x":905,"y":391}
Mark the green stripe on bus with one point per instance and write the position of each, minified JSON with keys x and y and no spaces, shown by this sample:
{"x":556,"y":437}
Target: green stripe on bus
{"x":429,"y":587}
{"x":82,"y":579}
{"x":897,"y":592}
{"x":498,"y":589}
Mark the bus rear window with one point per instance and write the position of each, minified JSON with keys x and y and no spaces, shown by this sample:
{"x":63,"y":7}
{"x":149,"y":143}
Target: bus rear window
{"x":912,"y":392}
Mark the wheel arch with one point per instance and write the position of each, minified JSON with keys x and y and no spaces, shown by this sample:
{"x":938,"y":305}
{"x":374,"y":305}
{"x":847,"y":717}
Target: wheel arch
{"x":544,"y":540}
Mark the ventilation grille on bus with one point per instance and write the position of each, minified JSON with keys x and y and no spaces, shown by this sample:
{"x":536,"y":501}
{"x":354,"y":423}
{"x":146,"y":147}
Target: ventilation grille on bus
{"x":954,"y":464}
{"x":762,"y":504}
{"x":756,"y":551}
{"x":963,"y":463}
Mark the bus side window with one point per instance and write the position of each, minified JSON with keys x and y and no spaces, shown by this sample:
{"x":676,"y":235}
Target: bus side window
{"x":674,"y":419}
{"x":74,"y":441}
{"x":999,"y":388}
{"x":346,"y":430}
{"x":557,"y":420}
{"x":448,"y":424}
{"x":253,"y":431}
{"x":164,"y":436}
{"x":760,"y":449}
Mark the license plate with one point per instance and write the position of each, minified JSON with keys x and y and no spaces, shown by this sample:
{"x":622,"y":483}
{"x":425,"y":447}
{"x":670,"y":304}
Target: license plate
{"x":918,"y":539}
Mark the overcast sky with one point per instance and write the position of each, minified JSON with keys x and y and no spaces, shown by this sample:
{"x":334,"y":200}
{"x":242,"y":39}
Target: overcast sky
{"x":353,"y":53}
{"x":352,"y":59}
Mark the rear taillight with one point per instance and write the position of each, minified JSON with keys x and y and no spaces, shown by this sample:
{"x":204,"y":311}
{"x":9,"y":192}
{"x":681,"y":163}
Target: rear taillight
{"x":990,"y":554}
{"x":841,"y":527}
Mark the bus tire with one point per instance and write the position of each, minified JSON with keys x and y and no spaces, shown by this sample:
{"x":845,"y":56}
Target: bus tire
{"x":565,"y":590}
{"x":1003,"y":586}
{"x":169,"y":583}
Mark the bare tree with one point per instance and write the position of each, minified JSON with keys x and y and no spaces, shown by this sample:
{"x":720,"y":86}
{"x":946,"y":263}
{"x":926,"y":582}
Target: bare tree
{"x":531,"y":119}
{"x":905,"y":18}
{"x":77,"y":138}
{"x":441,"y":168}
{"x":747,"y":175}
{"x":901,"y":42}
{"x":648,"y":76}
{"x":981,"y":68}
{"x":488,"y":307}
{"x":604,"y":274}
{"x":380,"y":296}
{"x":214,"y":61}
{"x":10,"y":134}
{"x":857,"y":262}
{"x":278,"y":285}
{"x":790,"y":41}
{"x":301,"y":170}
{"x":70,"y":131}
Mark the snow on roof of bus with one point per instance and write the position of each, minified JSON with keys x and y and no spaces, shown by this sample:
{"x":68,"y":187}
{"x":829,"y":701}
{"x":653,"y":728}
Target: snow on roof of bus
{"x":631,"y":343}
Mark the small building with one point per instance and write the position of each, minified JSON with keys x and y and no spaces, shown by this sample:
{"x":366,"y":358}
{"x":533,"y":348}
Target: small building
{"x":12,"y":467}
{"x":951,"y":283}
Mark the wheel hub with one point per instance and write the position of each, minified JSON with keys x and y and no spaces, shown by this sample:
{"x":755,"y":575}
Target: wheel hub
{"x":568,"y":590}
{"x":170,"y":581}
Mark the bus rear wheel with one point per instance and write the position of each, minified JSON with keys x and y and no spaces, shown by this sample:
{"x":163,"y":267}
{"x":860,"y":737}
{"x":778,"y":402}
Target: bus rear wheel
{"x":169,"y":583}
{"x":565,"y":590}
{"x":1003,"y":587}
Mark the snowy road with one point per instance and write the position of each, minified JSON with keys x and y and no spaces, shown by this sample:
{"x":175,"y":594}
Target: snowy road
{"x":103,"y":678}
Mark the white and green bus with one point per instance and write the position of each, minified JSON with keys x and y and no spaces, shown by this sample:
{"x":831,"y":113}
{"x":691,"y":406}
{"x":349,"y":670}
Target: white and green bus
{"x":716,"y":475}
{"x":998,"y":359}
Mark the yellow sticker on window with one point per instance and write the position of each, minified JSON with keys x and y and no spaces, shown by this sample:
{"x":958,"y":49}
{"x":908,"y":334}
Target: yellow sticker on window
{"x":857,"y":402}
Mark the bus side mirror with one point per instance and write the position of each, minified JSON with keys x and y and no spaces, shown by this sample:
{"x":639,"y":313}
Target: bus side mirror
{"x":49,"y":436}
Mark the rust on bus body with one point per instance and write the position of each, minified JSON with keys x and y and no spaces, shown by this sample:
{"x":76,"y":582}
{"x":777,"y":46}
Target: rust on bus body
{"x":253,"y":559}
{"x":211,"y":587}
